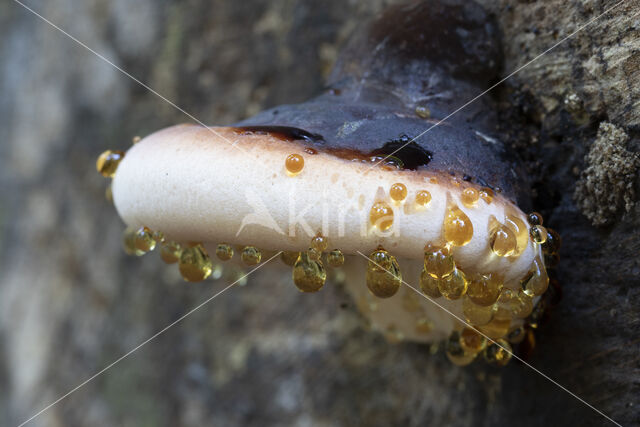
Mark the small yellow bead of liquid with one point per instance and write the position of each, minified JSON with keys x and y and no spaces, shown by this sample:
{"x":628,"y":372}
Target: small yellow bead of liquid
{"x":383,"y":274}
{"x":308,"y":274}
{"x":454,"y":286}
{"x":224,"y":252}
{"x":429,"y":285}
{"x":458,"y":229}
{"x":289,"y":258}
{"x":484,"y":290}
{"x":423,"y":197}
{"x":108,"y":162}
{"x":144,"y":240}
{"x":506,"y":304}
{"x":319,"y":243}
{"x":170,"y":252}
{"x":469,"y":197}
{"x":335,"y":258}
{"x":521,"y":232}
{"x":536,"y":281}
{"x":294,"y":163}
{"x":538,"y":234}
{"x":438,"y":262}
{"x":129,"y":243}
{"x":476,"y":314}
{"x":498,"y":353}
{"x":524,"y":305}
{"x":502,"y":240}
{"x":398,"y":192}
{"x":471,"y":341}
{"x":455,"y":353}
{"x":535,"y":218}
{"x":422,"y":112}
{"x":381,"y":216}
{"x":195,"y":264}
{"x":251,"y":255}
{"x":486,"y":194}
{"x":496,"y":328}
{"x":552,"y":245}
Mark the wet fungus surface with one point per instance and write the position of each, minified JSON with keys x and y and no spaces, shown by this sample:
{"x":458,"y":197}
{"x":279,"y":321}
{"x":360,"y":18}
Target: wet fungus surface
{"x":380,"y":188}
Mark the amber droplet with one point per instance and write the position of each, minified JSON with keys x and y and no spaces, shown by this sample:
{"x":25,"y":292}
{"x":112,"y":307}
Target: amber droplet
{"x":535,"y":218}
{"x":455,"y":353}
{"x":496,"y":328}
{"x":506,"y":304}
{"x":502,"y":239}
{"x":486,"y":194}
{"x":224,"y":252}
{"x":536,"y":281}
{"x":108,"y":162}
{"x":170,"y":252}
{"x":308,"y":274}
{"x":422,"y":112}
{"x":484,"y":289}
{"x":319,"y":243}
{"x":524,"y":305}
{"x":476,"y":314}
{"x":424,"y":325}
{"x":294,"y":164}
{"x":458,"y":229}
{"x":552,"y":245}
{"x":429,"y":285}
{"x":251,"y":255}
{"x":144,"y":240}
{"x":471,"y":341}
{"x":158,"y":236}
{"x":383,"y":274}
{"x":423,"y":197}
{"x":381,"y":216}
{"x":498,"y":353}
{"x":195,"y":264}
{"x":538,"y":234}
{"x":335,"y":258}
{"x":129,"y":242}
{"x":469,"y":197}
{"x":521,"y":232}
{"x":398,"y":192}
{"x":438,"y":262}
{"x":453,"y":286}
{"x":289,"y":258}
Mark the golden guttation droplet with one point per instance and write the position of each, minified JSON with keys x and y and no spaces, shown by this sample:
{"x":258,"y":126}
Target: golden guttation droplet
{"x":398,"y":192}
{"x":502,"y":239}
{"x":506,"y":304}
{"x":469,"y":197}
{"x":251,"y":255}
{"x":455,"y":353}
{"x":423,"y":197}
{"x":458,"y":229}
{"x":535,"y":218}
{"x":424,"y":325}
{"x":158,"y":236}
{"x":486,"y":194}
{"x":381,"y":216}
{"x":170,"y":252}
{"x":521,"y":232}
{"x":536,"y":281}
{"x":108,"y":162}
{"x":525,"y":305}
{"x":335,"y":258}
{"x":484,"y":289}
{"x":135,"y":139}
{"x":144,"y":240}
{"x":538,"y":234}
{"x":319,"y":243}
{"x":552,"y":245}
{"x":309,"y":274}
{"x":476,"y":314}
{"x":294,"y":164}
{"x":471,"y":341}
{"x":195,"y":264}
{"x":496,"y":328}
{"x":454,"y":286}
{"x":129,"y":242}
{"x":289,"y":258}
{"x":224,"y":252}
{"x":422,"y":112}
{"x":498,"y":353}
{"x":383,"y":274}
{"x":429,"y":285}
{"x":438,"y":262}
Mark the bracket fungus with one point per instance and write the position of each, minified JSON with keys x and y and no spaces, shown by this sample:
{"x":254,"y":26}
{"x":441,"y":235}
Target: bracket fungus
{"x":351,"y":180}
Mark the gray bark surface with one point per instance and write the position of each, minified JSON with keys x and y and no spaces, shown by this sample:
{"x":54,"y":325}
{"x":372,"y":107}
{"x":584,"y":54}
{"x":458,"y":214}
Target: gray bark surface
{"x":71,"y":302}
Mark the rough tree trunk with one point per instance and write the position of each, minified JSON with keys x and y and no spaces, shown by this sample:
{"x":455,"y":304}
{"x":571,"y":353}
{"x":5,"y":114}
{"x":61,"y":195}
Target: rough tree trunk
{"x":71,"y":302}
